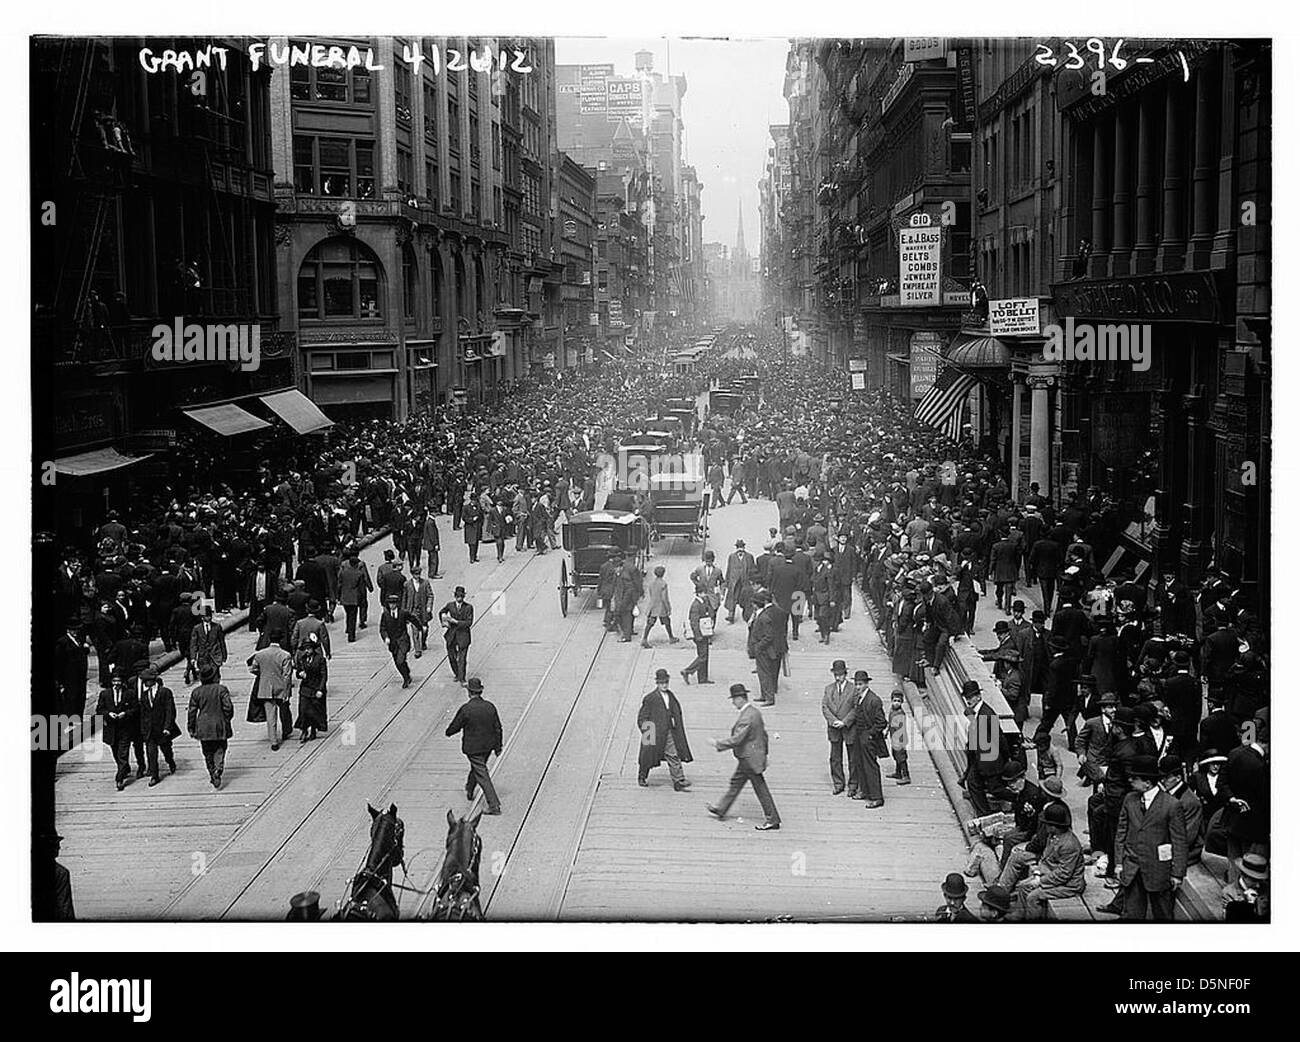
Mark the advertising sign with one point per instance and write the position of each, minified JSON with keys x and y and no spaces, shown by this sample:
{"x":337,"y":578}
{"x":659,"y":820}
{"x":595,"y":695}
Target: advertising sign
{"x":919,"y":252}
{"x":1015,"y":316}
{"x":623,"y":99}
{"x":926,"y":350}
{"x":924,"y":48}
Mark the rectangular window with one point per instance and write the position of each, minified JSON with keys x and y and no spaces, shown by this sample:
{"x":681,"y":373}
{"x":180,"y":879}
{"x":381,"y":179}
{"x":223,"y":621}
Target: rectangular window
{"x":402,"y":90}
{"x":455,"y":200}
{"x":304,"y":169}
{"x":335,"y":166}
{"x":365,"y":169}
{"x":474,"y":148}
{"x":430,"y":112}
{"x":475,"y":199}
{"x":405,"y":173}
{"x":453,"y":126}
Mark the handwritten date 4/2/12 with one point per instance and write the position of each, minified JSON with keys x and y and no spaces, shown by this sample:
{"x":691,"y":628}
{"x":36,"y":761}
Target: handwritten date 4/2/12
{"x":1094,"y":45}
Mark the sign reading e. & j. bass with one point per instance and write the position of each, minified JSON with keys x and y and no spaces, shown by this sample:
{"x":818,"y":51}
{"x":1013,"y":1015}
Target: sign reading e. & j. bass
{"x":919,"y":263}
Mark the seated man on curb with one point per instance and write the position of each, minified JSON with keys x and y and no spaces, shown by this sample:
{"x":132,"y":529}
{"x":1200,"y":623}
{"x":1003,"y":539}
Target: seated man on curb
{"x":1059,"y":872}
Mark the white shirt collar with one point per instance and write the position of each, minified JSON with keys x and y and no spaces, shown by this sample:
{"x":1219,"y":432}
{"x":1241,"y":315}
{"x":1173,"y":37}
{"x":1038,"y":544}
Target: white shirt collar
{"x":1149,"y":797}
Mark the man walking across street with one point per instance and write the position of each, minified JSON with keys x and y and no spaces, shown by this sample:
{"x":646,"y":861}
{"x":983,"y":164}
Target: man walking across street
{"x":157,"y":722}
{"x":119,"y":709}
{"x":748,"y":742}
{"x":208,"y":721}
{"x":394,"y":628}
{"x":354,"y":589}
{"x":702,"y":633}
{"x":457,"y":618}
{"x":479,"y":726}
{"x":663,"y":734}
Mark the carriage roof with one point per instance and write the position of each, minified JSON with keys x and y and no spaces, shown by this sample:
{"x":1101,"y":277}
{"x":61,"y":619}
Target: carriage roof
{"x":605,"y":517}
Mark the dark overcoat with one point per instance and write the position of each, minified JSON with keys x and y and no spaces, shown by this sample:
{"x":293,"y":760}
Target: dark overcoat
{"x":655,"y":725}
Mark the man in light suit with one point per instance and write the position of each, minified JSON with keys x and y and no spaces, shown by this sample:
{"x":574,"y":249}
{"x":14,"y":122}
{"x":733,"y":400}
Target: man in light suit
{"x":417,"y":601}
{"x":748,"y":741}
{"x":1150,"y":844}
{"x":840,"y":707}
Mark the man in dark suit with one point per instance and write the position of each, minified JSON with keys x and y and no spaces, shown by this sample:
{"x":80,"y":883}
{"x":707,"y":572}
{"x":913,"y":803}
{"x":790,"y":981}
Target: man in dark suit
{"x":119,"y":709}
{"x":954,"y":908}
{"x":1004,"y":568}
{"x":1181,"y":693}
{"x":208,"y":721}
{"x":71,"y":665}
{"x":157,"y":722}
{"x":1061,"y":699}
{"x":871,"y":726}
{"x":480,"y":728}
{"x":1151,"y":844}
{"x":985,"y":756}
{"x":785,"y":582}
{"x":276,"y":623}
{"x":663,"y":734}
{"x":457,"y":618}
{"x":748,"y":741}
{"x":1044,"y":563}
{"x":354,"y":589}
{"x":1246,"y":816}
{"x":738,"y":580}
{"x":767,"y":646}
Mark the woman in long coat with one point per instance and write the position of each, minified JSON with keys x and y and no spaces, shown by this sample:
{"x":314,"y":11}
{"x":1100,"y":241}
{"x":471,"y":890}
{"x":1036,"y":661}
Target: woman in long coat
{"x":313,"y":671}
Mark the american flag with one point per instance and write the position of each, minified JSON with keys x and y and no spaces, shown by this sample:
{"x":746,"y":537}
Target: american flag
{"x":941,"y":408}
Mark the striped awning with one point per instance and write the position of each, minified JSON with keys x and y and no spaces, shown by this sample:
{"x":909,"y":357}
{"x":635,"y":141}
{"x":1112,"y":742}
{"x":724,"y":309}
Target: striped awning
{"x":228,"y":419}
{"x":979,"y":352}
{"x":297,"y":410}
{"x":96,"y":462}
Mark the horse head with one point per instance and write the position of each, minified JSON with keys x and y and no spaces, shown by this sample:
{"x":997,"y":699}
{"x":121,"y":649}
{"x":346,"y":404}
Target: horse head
{"x":386,"y":834}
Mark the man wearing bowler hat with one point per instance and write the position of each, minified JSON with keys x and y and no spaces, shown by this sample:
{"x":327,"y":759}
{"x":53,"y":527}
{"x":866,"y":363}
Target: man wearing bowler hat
{"x":208,"y":721}
{"x":871,"y":726}
{"x":748,"y":741}
{"x":954,"y":908}
{"x":663,"y":734}
{"x":840,"y":708}
{"x":480,"y":728}
{"x":157,"y":722}
{"x":1150,"y":844}
{"x":1059,"y":872}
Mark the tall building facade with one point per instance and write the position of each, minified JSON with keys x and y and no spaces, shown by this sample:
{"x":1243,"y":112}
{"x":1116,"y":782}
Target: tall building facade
{"x":413,"y":222}
{"x":154,"y":207}
{"x":1134,"y":211}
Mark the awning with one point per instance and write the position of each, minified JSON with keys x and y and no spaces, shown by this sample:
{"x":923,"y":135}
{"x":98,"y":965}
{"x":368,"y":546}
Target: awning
{"x":980,"y":352}
{"x":226,"y":419}
{"x":297,"y":410}
{"x":96,"y":462}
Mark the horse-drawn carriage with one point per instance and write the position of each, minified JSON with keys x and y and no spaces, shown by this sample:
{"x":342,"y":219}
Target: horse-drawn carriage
{"x":590,"y":538}
{"x":677,"y":498}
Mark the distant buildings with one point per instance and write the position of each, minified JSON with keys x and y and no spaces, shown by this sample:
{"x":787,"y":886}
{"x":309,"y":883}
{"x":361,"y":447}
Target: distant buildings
{"x":733,"y":279}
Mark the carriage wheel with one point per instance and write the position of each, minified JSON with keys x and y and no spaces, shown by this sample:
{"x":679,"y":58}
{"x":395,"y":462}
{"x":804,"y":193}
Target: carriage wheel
{"x":564,"y":588}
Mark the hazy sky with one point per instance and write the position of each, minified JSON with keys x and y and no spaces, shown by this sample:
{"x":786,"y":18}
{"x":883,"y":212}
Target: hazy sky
{"x":733,"y":92}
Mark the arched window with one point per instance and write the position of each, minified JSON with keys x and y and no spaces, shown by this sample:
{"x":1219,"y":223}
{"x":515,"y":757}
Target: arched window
{"x":339,"y":279}
{"x":410,"y":281}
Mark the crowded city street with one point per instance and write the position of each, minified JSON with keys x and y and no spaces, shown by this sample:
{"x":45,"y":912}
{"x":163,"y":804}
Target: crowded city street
{"x":431,"y":525}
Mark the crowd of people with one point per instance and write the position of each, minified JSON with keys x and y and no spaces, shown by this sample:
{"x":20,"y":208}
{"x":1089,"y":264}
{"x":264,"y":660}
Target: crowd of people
{"x":1171,"y":683}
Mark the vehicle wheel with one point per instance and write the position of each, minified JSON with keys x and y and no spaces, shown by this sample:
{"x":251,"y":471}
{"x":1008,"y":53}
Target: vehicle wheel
{"x":564,"y":588}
